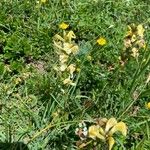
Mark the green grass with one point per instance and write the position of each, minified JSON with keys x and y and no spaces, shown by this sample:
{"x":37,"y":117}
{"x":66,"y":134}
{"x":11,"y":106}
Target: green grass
{"x":31,"y":94}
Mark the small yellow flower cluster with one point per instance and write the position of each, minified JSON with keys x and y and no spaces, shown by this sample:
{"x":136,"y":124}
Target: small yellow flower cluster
{"x":103,"y":130}
{"x":135,"y":39}
{"x":101,"y":41}
{"x":63,"y":26}
{"x":66,"y":48}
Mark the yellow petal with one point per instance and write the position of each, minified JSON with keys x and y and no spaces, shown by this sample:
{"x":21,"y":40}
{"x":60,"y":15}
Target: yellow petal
{"x":63,"y":26}
{"x":127,"y":43}
{"x":58,"y":37}
{"x":58,"y":45}
{"x":70,"y":48}
{"x":67,"y":48}
{"x":101,"y":41}
{"x":141,"y":43}
{"x":75,"y":49}
{"x":140,"y":30}
{"x":70,"y":36}
{"x":121,"y":126}
{"x":111,"y":142}
{"x":133,"y":38}
{"x":129,"y":32}
{"x":63,"y":58}
{"x":68,"y":81}
{"x":110,"y":123}
{"x":101,"y":131}
{"x":94,"y":132}
{"x":104,"y":120}
{"x":63,"y":67}
{"x":135,"y":52}
{"x":71,"y":68}
{"x":129,"y":28}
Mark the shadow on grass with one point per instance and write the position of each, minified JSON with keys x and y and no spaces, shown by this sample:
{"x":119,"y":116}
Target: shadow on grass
{"x":13,"y":146}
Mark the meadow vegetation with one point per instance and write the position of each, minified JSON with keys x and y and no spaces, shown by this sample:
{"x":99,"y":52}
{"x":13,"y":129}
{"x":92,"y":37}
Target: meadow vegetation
{"x":75,"y":74}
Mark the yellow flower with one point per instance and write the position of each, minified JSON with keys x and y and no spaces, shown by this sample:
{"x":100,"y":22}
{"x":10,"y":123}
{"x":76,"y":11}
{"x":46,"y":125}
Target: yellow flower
{"x":120,"y":126}
{"x":101,"y":41}
{"x":110,"y":123}
{"x":141,"y":43}
{"x":67,"y":48}
{"x":135,"y":52}
{"x":75,"y":49}
{"x":63,"y":58}
{"x":133,"y":38}
{"x":111,"y":142}
{"x":96,"y":131}
{"x":63,"y":67}
{"x":68,"y":81}
{"x":111,"y":127}
{"x":127,"y":43}
{"x":70,"y":48}
{"x":69,"y":36}
{"x":65,"y":43}
{"x":129,"y":32}
{"x":63,"y":26}
{"x":148,"y":105}
{"x":140,"y":30}
{"x":71,"y":68}
{"x":43,"y":1}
